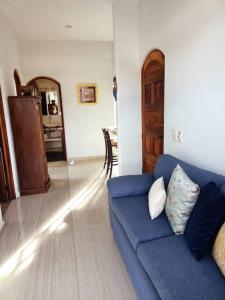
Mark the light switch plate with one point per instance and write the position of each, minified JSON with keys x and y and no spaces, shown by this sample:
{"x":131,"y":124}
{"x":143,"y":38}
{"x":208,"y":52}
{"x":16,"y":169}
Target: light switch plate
{"x":180,"y":136}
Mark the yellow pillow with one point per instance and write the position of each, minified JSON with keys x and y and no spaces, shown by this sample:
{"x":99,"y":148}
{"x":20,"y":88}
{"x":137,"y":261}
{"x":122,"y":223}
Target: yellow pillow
{"x":219,"y":249}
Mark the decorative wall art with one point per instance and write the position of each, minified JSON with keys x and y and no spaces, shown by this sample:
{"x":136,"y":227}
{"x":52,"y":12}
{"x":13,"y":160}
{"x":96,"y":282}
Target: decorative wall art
{"x":87,"y":93}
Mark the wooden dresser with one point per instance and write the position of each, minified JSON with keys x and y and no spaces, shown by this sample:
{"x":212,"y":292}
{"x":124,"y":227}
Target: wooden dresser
{"x":28,"y":135}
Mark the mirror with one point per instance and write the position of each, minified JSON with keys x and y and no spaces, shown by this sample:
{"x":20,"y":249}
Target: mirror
{"x":50,"y":98}
{"x":52,"y":116}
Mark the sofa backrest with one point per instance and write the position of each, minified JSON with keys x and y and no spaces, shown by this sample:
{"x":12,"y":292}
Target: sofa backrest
{"x":167,"y":163}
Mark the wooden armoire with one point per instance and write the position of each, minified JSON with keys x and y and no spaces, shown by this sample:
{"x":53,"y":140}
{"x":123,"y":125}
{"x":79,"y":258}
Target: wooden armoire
{"x":28,"y":135}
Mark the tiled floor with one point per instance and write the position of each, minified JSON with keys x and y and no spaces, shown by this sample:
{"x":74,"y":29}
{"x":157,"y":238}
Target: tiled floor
{"x":59,"y":245}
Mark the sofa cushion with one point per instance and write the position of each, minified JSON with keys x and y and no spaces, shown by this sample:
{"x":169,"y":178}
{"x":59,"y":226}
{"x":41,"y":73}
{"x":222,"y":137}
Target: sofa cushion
{"x":177,"y":275}
{"x":130,"y":185}
{"x":167,"y":163}
{"x":140,"y":279}
{"x":133,"y":215}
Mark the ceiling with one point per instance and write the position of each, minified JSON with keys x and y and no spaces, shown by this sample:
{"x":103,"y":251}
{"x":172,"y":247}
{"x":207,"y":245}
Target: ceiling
{"x":91,"y":20}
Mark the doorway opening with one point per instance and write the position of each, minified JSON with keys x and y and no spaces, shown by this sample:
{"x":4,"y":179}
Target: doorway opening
{"x":152,"y":108}
{"x":49,"y":91}
{"x":7,"y":189}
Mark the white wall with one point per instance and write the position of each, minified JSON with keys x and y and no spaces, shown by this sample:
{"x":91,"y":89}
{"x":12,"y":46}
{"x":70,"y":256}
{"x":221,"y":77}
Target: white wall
{"x":192,"y":36}
{"x":126,"y":69}
{"x":71,"y":63}
{"x":9,"y":60}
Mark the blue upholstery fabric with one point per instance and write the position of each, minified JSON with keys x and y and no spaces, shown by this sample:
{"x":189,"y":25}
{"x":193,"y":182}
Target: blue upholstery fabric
{"x":175,"y":273}
{"x":141,"y":282}
{"x":159,"y":263}
{"x":130,"y":185}
{"x":167,"y":163}
{"x":222,"y":189}
{"x":206,"y":219}
{"x":133,"y":214}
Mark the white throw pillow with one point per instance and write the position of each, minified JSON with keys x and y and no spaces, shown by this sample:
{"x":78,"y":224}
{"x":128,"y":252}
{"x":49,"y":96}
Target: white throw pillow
{"x":157,"y":198}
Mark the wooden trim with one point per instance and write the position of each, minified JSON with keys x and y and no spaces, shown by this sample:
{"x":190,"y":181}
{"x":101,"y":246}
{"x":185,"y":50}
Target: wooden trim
{"x":10,"y":181}
{"x":61,"y":104}
{"x":43,"y":77}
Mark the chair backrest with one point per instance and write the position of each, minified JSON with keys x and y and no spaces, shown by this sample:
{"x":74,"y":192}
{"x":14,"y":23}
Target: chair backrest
{"x":167,"y":163}
{"x":103,"y":131}
{"x":108,"y":141}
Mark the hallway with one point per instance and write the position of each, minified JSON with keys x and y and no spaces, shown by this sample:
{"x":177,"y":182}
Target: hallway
{"x":59,"y":245}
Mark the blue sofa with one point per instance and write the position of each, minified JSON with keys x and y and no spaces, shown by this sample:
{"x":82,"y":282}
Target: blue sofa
{"x":159,"y":263}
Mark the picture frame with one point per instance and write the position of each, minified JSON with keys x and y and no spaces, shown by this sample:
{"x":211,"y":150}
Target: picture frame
{"x":87,"y":93}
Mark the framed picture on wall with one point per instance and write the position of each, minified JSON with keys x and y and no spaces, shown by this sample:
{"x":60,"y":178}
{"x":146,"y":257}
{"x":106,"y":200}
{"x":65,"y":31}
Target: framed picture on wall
{"x":87,"y":93}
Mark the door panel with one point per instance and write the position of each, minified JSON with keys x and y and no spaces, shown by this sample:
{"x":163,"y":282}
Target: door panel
{"x":152,"y":109}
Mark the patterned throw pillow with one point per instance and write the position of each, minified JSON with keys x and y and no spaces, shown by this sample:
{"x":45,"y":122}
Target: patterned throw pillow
{"x":219,"y":249}
{"x":182,"y":195}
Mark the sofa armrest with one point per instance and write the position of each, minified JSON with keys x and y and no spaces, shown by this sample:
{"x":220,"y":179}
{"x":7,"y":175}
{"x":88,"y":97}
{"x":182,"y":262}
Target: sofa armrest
{"x":130,"y":185}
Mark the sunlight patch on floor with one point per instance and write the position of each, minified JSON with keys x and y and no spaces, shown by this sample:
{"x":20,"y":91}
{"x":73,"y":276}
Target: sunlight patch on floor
{"x":24,"y":256}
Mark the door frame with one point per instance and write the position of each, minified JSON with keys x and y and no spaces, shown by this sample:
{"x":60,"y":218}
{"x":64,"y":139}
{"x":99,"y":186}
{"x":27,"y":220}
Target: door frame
{"x":154,"y":54}
{"x":6,"y":152}
{"x":61,"y":104}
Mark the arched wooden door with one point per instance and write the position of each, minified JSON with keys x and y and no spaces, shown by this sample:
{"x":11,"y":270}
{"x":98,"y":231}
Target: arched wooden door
{"x":152,"y":109}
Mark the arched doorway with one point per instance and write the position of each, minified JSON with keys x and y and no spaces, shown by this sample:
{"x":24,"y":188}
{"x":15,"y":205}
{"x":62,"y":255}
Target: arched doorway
{"x":49,"y":90}
{"x":152,"y":108}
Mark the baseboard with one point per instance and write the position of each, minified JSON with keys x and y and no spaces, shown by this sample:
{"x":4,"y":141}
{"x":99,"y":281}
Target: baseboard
{"x":85,"y":158}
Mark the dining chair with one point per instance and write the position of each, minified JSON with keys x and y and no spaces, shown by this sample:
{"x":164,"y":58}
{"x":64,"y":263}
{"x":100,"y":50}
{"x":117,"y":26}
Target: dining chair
{"x":112,"y":154}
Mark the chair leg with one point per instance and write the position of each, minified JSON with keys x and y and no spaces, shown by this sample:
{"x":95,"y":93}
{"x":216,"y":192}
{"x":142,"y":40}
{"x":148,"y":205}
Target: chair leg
{"x":111,"y":164}
{"x":111,"y":167}
{"x":104,"y":162}
{"x":106,"y":158}
{"x":106,"y":149}
{"x":108,"y":164}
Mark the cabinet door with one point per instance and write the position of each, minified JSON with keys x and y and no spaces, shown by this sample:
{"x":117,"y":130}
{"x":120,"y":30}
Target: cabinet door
{"x":29,"y":142}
